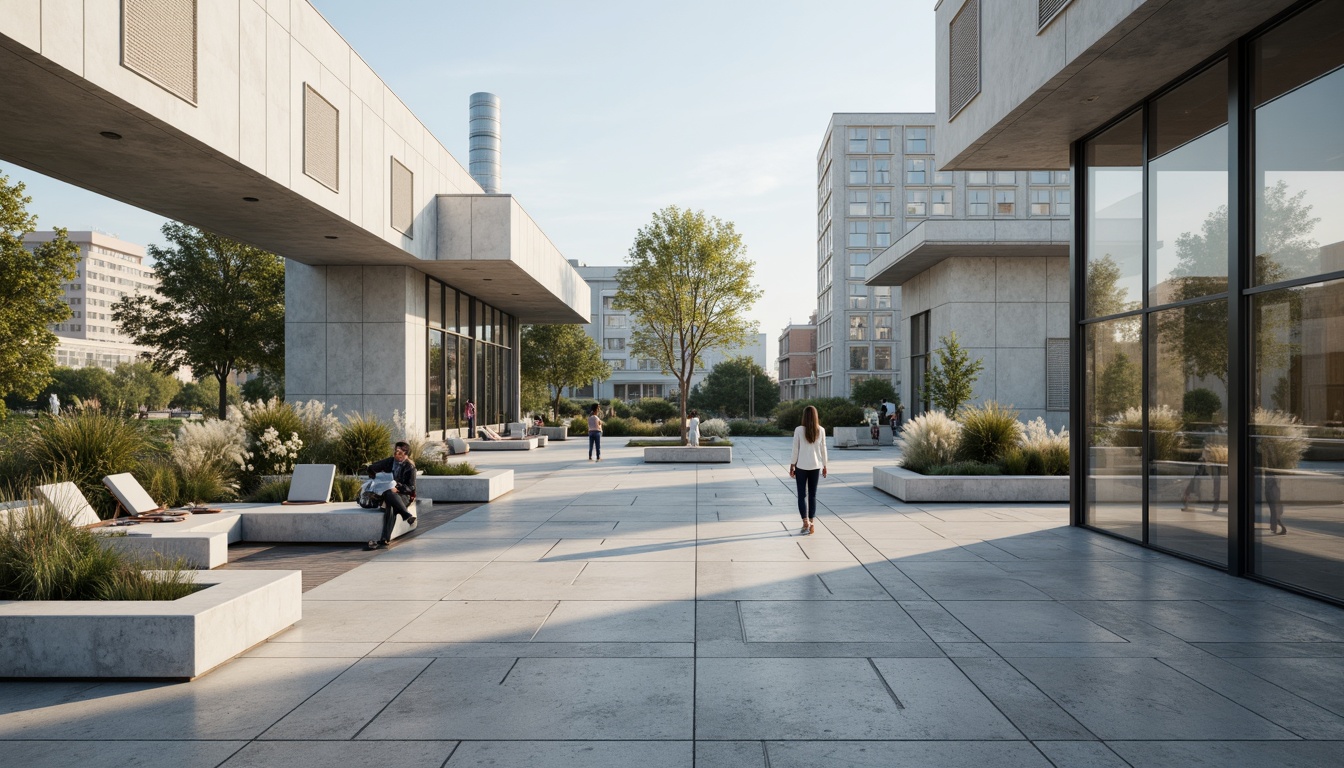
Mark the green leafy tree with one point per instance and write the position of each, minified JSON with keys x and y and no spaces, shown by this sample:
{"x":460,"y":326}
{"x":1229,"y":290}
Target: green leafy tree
{"x":727,"y":389}
{"x":559,"y":356}
{"x":220,"y":309}
{"x":871,"y":391}
{"x":950,"y":382}
{"x":1284,"y":249}
{"x":137,"y":384}
{"x":30,"y":295}
{"x":204,"y":394}
{"x":1119,"y":388}
{"x":687,"y":285}
{"x":1105,"y":296}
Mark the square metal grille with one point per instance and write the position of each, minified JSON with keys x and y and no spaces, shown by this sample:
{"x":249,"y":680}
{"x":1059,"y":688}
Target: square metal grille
{"x":403,"y":198}
{"x":321,"y":139}
{"x":158,"y":42}
{"x":963,"y":59}
{"x":1046,"y":10}
{"x":1056,"y":374}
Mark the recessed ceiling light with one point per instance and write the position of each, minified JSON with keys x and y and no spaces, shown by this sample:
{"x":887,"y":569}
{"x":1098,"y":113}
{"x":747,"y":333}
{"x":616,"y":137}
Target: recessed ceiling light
{"x":513,"y":294}
{"x":110,"y":135}
{"x":488,"y":279}
{"x":251,"y":199}
{"x":331,"y":237}
{"x":1089,"y":99}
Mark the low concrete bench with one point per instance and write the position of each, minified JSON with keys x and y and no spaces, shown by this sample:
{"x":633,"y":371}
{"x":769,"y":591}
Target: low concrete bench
{"x":488,"y":485}
{"x":332,"y":523}
{"x":685,"y":454}
{"x":555,"y":433}
{"x":525,"y":444}
{"x":201,"y":540}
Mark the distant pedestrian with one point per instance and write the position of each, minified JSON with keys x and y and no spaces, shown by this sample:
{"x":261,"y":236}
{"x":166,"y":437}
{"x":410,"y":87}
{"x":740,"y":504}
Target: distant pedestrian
{"x":693,"y":428}
{"x":808,"y":465}
{"x":896,"y":420}
{"x":595,"y":432}
{"x":883,"y":412}
{"x":469,"y":413}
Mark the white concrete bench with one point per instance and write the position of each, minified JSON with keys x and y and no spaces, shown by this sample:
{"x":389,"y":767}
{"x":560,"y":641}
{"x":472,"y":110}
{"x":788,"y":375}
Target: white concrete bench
{"x":525,"y":444}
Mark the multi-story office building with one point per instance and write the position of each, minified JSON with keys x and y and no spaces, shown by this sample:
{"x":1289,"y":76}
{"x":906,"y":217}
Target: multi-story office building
{"x":797,"y":362}
{"x":108,"y":269}
{"x":876,"y":182}
{"x":1207,"y":283}
{"x":633,"y":377}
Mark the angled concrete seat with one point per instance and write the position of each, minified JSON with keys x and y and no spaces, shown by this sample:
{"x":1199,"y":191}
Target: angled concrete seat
{"x":130,"y":496}
{"x":69,"y":501}
{"x":311,"y":484}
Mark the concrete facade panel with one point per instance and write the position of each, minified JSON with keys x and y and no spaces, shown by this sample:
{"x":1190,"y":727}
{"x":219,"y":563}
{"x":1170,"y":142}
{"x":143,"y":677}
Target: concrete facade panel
{"x":985,"y":386}
{"x":1020,"y":325}
{"x":345,"y":358}
{"x":385,"y":295}
{"x":1021,"y":279}
{"x":967,"y":279}
{"x":22,"y":21}
{"x":384,"y":364}
{"x":63,"y":33}
{"x":973,"y":322}
{"x":305,"y":360}
{"x":1057,"y":280}
{"x":305,"y":293}
{"x":1019,"y":378}
{"x":345,"y":294}
{"x":1056,"y":320}
{"x":490,"y":229}
{"x":278,"y":102}
{"x":455,"y":232}
{"x":252,"y":86}
{"x":323,"y":43}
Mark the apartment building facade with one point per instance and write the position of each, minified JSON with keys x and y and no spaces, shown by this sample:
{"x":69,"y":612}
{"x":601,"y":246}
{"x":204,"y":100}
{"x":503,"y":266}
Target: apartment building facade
{"x":796,"y":365}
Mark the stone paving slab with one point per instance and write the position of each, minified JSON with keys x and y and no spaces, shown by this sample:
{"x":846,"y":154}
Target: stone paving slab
{"x":621,"y":614}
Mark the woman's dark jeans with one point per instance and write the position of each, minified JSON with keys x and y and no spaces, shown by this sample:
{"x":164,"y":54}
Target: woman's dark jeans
{"x":807,"y":491}
{"x":594,"y":442}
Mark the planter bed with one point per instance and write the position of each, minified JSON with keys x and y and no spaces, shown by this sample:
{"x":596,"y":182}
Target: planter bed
{"x":677,"y":454}
{"x":914,"y":487}
{"x":151,"y":639}
{"x":555,"y":433}
{"x":488,"y":485}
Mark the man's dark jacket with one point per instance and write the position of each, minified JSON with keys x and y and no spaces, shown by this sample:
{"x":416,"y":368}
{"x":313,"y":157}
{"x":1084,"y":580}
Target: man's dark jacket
{"x":405,"y":479}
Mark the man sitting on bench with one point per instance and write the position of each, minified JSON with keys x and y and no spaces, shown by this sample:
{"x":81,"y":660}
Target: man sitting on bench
{"x":394,"y":505}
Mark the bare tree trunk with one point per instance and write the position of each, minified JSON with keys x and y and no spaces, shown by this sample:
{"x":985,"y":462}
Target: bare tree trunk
{"x":685,"y":439}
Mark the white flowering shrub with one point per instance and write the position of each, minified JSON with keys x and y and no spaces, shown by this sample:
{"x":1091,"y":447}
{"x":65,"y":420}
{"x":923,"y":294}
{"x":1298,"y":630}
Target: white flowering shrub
{"x":209,"y":456}
{"x":318,"y":425}
{"x":273,"y":455}
{"x":929,"y":440}
{"x":415,"y":438}
{"x":714,"y":428}
{"x":1036,"y":435}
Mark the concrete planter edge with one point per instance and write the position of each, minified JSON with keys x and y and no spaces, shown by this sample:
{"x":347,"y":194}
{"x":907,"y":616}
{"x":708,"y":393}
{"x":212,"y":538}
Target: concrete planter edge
{"x":913,"y":487}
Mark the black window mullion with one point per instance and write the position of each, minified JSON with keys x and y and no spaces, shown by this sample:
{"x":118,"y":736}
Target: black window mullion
{"x":1148,"y":356}
{"x":1240,"y":520}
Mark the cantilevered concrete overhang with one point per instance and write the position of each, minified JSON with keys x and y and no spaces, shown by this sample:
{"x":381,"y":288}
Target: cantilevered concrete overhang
{"x":1042,"y":89}
{"x":932,"y":241}
{"x":63,"y":87}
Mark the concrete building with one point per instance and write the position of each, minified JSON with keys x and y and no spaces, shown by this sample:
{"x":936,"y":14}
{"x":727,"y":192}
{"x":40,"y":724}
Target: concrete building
{"x":108,"y":269}
{"x":1206,"y":325}
{"x":885,"y":216}
{"x":256,"y":120}
{"x":797,"y":362}
{"x":634,"y":377}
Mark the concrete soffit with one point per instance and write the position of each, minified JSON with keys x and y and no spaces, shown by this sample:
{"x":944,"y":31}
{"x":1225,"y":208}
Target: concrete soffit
{"x":1155,"y":44}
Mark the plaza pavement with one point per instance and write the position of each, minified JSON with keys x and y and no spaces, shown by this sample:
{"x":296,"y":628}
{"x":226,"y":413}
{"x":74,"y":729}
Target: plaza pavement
{"x":622,"y":614}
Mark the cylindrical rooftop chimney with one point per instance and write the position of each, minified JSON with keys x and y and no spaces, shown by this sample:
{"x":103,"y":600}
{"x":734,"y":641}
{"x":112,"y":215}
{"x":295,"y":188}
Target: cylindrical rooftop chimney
{"x":484,"y":135}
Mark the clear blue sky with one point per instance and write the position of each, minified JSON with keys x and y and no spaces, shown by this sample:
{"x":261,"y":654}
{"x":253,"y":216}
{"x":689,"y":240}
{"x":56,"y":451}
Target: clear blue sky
{"x":612,"y":110}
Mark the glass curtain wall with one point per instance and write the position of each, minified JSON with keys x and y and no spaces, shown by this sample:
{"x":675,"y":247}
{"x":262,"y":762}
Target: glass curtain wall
{"x":1206,"y":279}
{"x":469,"y":357}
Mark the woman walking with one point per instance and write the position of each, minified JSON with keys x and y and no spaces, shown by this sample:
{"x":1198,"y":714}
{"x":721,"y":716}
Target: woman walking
{"x":808,"y":465}
{"x":693,"y":428}
{"x":595,"y":433}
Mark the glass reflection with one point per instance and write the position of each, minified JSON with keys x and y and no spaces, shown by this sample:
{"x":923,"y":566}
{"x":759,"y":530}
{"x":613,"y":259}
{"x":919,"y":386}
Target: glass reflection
{"x":1299,"y":96}
{"x":1115,"y":219}
{"x":435,"y":405}
{"x":1187,"y":190}
{"x":1297,"y":436}
{"x":1187,"y":424}
{"x":1113,"y":424}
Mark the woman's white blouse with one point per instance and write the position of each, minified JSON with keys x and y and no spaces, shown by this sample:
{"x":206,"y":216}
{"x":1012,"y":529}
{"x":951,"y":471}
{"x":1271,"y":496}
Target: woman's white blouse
{"x":808,"y":455}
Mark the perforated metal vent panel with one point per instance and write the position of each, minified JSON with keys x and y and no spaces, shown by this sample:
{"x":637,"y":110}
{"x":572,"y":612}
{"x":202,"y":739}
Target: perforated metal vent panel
{"x":321,"y":139}
{"x":1056,"y":374}
{"x":1046,"y":10}
{"x":964,"y":56}
{"x":158,"y":42}
{"x":403,"y":198}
